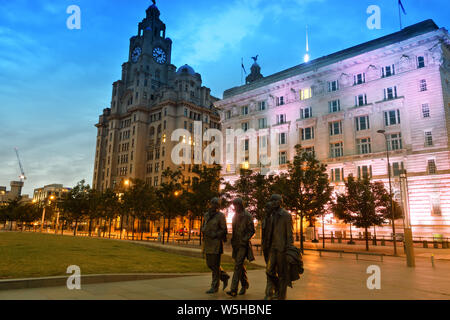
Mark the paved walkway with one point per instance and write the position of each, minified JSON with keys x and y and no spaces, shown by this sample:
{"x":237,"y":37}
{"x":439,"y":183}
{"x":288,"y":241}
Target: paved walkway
{"x":324,"y":278}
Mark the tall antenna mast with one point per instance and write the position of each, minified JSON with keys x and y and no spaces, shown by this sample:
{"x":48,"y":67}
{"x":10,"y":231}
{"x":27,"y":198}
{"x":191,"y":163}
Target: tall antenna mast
{"x":306,"y":57}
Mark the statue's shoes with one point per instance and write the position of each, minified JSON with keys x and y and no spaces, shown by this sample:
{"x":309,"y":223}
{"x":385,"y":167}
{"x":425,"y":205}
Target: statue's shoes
{"x":232,"y":293}
{"x":225,"y":282}
{"x":243,"y":290}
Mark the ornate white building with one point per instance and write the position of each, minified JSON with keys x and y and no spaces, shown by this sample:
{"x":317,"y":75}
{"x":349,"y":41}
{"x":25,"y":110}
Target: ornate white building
{"x":335,"y":105}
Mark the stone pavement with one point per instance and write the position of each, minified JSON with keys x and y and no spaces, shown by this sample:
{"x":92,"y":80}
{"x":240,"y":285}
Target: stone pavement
{"x":325,"y":278}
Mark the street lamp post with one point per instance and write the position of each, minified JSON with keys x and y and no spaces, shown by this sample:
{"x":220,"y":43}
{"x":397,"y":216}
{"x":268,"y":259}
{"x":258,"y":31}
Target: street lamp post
{"x":383,"y":132}
{"x":409,"y":245}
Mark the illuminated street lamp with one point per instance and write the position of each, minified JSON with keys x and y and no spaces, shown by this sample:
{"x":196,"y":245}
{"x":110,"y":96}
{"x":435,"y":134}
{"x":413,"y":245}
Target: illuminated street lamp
{"x":383,"y":132}
{"x":409,"y":245}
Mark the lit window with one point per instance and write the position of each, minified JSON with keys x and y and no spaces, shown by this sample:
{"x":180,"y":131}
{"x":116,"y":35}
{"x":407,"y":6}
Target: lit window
{"x":305,"y":94}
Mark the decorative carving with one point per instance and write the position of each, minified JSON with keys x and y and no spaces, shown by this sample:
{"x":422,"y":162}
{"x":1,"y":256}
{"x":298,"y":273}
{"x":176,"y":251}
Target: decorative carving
{"x":372,"y":72}
{"x":405,"y":63}
{"x":437,"y":57}
{"x":345,"y":80}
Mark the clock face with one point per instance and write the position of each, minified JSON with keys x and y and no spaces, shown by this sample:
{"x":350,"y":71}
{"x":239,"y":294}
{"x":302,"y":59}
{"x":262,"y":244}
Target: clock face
{"x":136,"y":54}
{"x":159,"y":55}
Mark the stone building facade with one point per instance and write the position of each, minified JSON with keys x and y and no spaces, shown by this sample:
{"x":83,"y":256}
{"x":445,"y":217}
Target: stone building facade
{"x":151,"y":100}
{"x":335,"y":106}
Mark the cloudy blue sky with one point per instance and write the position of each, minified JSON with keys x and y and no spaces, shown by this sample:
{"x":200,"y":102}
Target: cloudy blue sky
{"x":54,"y":82}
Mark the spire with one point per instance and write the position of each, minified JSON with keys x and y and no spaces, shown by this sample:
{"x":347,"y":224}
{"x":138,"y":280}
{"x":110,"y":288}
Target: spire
{"x":306,"y":57}
{"x":153,"y":10}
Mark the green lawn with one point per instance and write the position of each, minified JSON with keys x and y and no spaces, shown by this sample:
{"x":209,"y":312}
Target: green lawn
{"x":25,"y":255}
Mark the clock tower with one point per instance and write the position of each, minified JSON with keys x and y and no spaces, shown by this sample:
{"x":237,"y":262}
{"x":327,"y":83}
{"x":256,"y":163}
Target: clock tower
{"x":151,"y":100}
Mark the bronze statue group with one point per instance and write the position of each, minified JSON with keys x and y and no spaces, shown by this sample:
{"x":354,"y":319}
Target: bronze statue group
{"x":283,"y":260}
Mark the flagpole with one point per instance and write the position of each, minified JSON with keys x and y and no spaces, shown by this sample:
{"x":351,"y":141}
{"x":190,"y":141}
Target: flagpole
{"x":242,"y":71}
{"x":400,"y":16}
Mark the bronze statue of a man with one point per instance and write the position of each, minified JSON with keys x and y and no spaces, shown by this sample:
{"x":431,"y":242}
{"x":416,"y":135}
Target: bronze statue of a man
{"x":277,"y":238}
{"x":214,"y":231}
{"x":243,"y":231}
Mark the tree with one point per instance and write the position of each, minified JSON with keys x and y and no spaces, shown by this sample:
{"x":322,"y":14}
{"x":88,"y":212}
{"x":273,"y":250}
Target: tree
{"x":363,"y":205}
{"x":305,"y":187}
{"x":172,"y":200}
{"x":27,"y":213}
{"x":75,"y":204}
{"x":140,"y":200}
{"x":109,"y":208}
{"x":205,"y":186}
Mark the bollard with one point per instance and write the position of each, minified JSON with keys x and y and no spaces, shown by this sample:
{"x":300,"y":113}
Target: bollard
{"x":383,"y":242}
{"x":339,"y":240}
{"x":332,"y":239}
{"x":425,"y":243}
{"x":432,"y":260}
{"x":435,"y":245}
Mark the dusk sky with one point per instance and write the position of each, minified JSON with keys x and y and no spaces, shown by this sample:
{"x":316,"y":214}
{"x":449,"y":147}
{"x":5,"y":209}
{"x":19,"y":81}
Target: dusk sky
{"x":54,"y":82}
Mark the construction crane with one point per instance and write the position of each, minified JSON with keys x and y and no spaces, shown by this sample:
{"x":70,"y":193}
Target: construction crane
{"x":22,"y":173}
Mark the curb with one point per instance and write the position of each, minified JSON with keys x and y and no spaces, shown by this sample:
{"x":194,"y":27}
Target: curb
{"x":14,"y":284}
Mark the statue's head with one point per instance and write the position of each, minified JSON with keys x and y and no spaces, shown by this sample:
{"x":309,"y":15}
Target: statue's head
{"x":214,"y":203}
{"x":238,"y":205}
{"x":276,"y":201}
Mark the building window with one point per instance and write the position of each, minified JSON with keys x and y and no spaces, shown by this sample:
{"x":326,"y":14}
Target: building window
{"x":334,"y":106}
{"x":388,"y":71}
{"x":425,"y":110}
{"x":246,"y":144}
{"x":263,"y":142}
{"x":305,"y":94}
{"x":282,"y":157}
{"x":362,"y":123}
{"x":361,"y":100}
{"x":364,"y":146}
{"x":335,"y":128}
{"x":281,"y":118}
{"x":423,"y":85}
{"x":390,"y":93}
{"x":333,"y":86}
{"x":307,"y":133}
{"x":337,"y":174}
{"x":428,"y":139}
{"x":392,"y":117}
{"x":306,"y":113}
{"x":155,"y":181}
{"x":364,"y":172}
{"x":244,"y":126}
{"x":359,"y":78}
{"x":431,"y":166}
{"x":261,"y":105}
{"x":436,"y":206}
{"x":244,"y":110}
{"x":280,"y":101}
{"x":394,"y":141}
{"x":420,"y":62}
{"x":336,"y":150}
{"x":282,"y":138}
{"x":309,"y":150}
{"x":262,"y":123}
{"x":397,"y":168}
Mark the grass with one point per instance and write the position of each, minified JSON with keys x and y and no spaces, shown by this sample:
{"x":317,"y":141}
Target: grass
{"x":29,"y":255}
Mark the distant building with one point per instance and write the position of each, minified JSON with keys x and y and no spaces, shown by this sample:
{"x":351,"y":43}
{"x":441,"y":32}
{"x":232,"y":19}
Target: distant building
{"x":44,"y":193}
{"x":14,"y":193}
{"x":334,"y":106}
